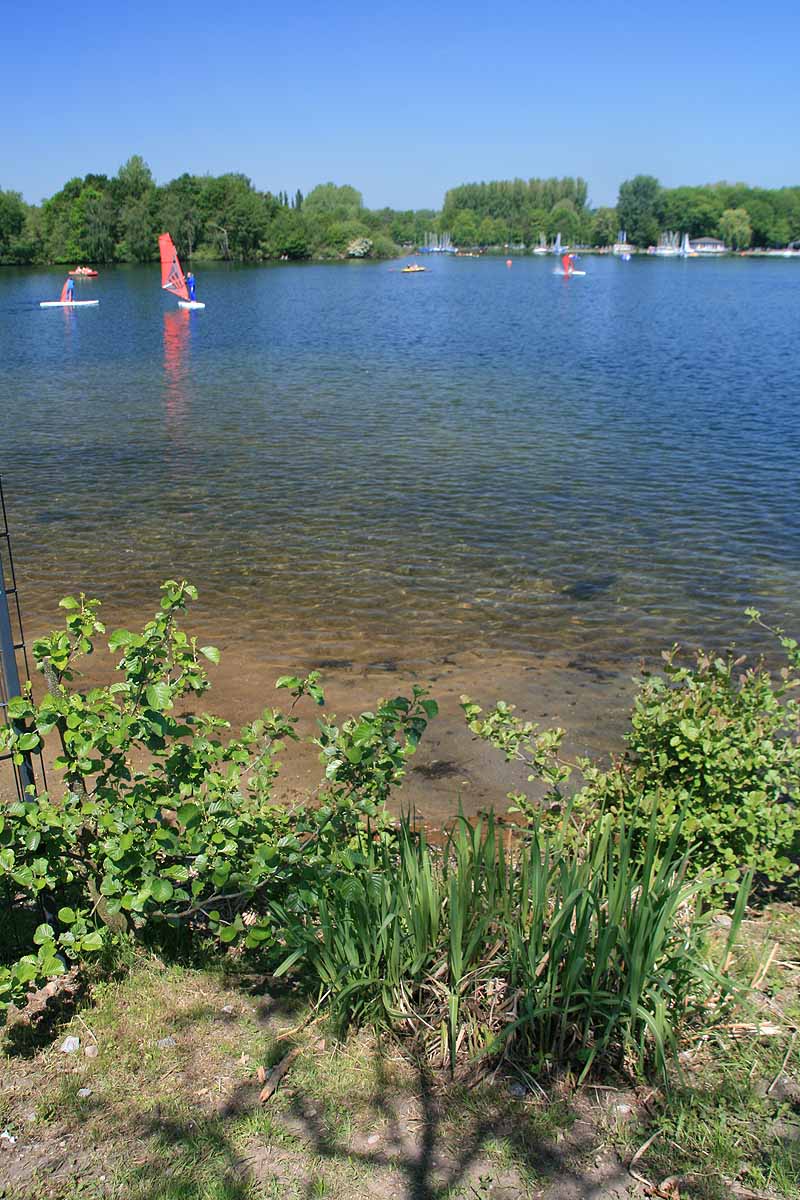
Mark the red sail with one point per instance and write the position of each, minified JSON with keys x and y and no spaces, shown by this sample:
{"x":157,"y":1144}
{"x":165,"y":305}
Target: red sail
{"x":64,"y":296}
{"x":172,"y":279}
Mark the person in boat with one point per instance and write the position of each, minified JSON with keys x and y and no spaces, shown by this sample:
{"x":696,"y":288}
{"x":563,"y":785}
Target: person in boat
{"x":191,"y":284}
{"x":70,"y":291}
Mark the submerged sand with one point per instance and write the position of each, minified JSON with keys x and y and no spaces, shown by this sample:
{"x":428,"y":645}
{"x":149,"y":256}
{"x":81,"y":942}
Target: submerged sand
{"x":451,"y":769}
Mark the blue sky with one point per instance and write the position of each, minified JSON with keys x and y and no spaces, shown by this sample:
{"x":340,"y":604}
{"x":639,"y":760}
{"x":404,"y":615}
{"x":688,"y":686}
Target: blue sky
{"x":401,"y":101}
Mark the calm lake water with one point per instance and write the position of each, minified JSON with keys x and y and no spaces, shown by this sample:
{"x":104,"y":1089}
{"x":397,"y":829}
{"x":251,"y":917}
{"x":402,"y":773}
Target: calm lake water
{"x":483,"y":458}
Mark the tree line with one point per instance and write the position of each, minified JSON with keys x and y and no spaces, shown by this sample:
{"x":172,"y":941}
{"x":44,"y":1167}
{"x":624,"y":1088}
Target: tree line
{"x":103,"y":219}
{"x":739,"y":214}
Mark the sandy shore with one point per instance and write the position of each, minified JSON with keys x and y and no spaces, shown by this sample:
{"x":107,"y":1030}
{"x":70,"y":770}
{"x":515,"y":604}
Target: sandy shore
{"x":588,"y":699}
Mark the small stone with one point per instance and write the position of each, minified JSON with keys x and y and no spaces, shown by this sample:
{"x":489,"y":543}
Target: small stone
{"x":517,"y":1090}
{"x":70,"y":1045}
{"x":84,"y":1093}
{"x":723,"y":920}
{"x":30,"y":1117}
{"x":7,"y":1139}
{"x":227,"y":1008}
{"x":166,"y":1043}
{"x":373,"y":1139}
{"x":623,"y":1111}
{"x":91,"y":1052}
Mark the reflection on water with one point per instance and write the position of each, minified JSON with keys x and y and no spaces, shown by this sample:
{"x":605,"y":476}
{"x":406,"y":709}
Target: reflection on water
{"x":482,"y":459}
{"x":176,"y":347}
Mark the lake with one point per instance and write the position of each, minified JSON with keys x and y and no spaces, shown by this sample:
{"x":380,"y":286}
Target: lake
{"x":485,"y":465}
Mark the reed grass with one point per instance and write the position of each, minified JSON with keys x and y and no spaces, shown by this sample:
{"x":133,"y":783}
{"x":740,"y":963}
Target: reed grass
{"x":533,"y":952}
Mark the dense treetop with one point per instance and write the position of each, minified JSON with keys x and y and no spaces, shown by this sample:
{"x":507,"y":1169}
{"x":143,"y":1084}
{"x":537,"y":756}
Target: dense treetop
{"x":118,"y":219}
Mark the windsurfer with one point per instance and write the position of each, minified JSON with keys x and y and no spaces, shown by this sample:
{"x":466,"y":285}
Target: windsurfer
{"x":70,"y":293}
{"x":567,"y":264}
{"x":190,"y":284}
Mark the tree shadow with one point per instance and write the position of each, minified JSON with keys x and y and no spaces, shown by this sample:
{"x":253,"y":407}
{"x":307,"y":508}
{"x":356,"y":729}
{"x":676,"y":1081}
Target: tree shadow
{"x":431,"y":1146}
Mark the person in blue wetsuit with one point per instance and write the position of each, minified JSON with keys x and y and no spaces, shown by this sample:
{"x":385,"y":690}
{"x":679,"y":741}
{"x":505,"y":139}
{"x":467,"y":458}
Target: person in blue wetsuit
{"x":190,"y":284}
{"x":70,"y":291}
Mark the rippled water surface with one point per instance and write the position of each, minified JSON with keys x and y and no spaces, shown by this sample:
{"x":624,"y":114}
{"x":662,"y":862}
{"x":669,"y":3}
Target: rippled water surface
{"x":481,"y":458}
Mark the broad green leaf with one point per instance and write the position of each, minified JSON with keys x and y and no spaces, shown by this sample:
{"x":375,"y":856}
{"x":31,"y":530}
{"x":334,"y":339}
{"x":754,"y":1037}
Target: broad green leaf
{"x":161,"y":890}
{"x":158,"y":696}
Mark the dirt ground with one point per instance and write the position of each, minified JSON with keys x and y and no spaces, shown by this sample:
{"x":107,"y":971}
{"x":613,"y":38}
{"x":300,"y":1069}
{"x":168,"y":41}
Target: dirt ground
{"x":160,"y":1101}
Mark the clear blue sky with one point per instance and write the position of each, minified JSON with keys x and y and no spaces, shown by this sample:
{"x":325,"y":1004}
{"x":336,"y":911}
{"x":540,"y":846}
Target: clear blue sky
{"x":401,"y":100}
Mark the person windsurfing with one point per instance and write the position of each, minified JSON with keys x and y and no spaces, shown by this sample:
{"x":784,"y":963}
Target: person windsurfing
{"x":190,"y":284}
{"x":566,"y":264}
{"x":69,"y":292}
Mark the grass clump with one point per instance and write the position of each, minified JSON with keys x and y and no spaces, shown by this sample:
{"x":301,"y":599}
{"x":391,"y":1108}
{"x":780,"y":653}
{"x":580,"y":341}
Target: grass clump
{"x":535,"y":952}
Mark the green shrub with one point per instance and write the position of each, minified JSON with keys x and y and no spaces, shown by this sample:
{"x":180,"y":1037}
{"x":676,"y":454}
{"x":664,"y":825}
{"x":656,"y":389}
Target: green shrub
{"x":166,"y":822}
{"x":712,"y":754}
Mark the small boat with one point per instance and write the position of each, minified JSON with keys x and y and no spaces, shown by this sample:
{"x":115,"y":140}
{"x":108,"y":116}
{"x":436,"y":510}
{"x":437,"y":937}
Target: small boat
{"x":84,"y":272}
{"x":172,"y":277}
{"x":412,"y":269}
{"x":65,"y":302}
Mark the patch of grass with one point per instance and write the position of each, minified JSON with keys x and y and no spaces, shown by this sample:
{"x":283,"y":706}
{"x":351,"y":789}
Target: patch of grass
{"x":361,"y":1119}
{"x":735,"y":1114}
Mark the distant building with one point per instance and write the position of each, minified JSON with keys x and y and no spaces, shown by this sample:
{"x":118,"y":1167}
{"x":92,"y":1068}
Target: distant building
{"x":708,"y":245}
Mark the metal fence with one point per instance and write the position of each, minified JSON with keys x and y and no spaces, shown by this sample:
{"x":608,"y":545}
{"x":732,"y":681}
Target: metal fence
{"x":12,"y":648}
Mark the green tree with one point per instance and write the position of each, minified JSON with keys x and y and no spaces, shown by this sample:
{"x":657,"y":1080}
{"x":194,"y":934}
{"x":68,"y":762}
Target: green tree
{"x":637,"y":207}
{"x":735,"y":229}
{"x":181,"y":216}
{"x":134,"y":179}
{"x":12,"y":219}
{"x":464,"y":228}
{"x":338,"y":203}
{"x":604,"y":227}
{"x":140,"y":228}
{"x":286,"y":236}
{"x":94,"y":219}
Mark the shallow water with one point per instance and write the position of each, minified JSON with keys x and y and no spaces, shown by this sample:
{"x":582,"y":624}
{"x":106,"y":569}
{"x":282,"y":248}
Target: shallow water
{"x":484,"y":460}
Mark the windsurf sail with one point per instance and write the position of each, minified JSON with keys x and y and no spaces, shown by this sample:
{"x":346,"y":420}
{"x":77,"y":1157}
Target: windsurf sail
{"x":172,"y":279}
{"x":64,"y":297}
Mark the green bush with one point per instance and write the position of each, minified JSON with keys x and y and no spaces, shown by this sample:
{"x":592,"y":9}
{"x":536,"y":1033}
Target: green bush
{"x":713,"y":760}
{"x":166,"y":823}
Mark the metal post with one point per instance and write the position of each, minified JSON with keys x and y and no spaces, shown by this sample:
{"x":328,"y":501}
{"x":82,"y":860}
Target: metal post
{"x":9,"y":671}
{"x":10,"y":674}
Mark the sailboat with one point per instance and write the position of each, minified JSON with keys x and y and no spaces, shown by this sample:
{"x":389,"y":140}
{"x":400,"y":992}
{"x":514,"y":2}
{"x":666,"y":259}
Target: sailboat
{"x":65,"y":302}
{"x":686,"y":249}
{"x":557,"y":245}
{"x":172,"y":277}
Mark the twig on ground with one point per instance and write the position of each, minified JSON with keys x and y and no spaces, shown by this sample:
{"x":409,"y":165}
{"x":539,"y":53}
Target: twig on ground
{"x":761,"y":973}
{"x":642,"y":1150}
{"x":88,"y":1030}
{"x":276,"y":1074}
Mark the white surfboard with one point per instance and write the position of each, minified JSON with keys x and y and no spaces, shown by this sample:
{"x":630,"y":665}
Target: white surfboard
{"x":569,"y":274}
{"x":191,"y":304}
{"x":68,"y":303}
